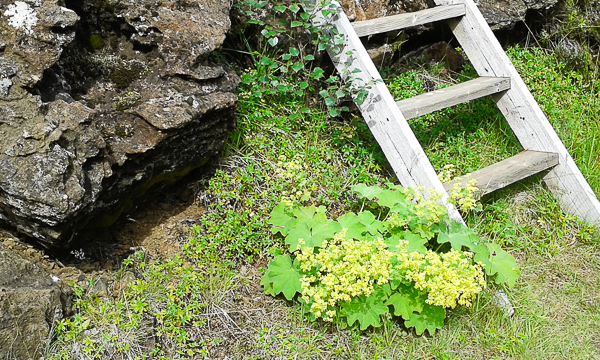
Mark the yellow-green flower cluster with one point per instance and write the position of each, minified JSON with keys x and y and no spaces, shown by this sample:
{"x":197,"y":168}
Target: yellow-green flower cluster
{"x":396,"y":220}
{"x":464,"y":199}
{"x":346,"y":268}
{"x":294,"y":171}
{"x":449,"y":279}
{"x":426,"y":206}
{"x":290,"y":169}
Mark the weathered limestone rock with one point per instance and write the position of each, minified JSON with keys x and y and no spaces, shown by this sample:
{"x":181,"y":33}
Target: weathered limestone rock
{"x":30,"y":300}
{"x":500,"y":14}
{"x":438,"y":52}
{"x":100,"y":100}
{"x":504,"y":14}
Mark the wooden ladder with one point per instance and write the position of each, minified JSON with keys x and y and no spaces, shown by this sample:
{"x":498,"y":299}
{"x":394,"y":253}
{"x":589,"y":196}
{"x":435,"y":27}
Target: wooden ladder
{"x":387,"y":118}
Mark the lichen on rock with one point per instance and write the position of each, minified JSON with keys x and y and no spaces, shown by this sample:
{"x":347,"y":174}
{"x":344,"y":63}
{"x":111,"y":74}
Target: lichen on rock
{"x":500,"y":14}
{"x":101,"y":101}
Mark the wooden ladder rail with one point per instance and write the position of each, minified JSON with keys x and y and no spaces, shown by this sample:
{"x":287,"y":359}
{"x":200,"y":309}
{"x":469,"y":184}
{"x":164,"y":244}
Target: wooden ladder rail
{"x":379,"y":110}
{"x":526,"y":119}
{"x":499,"y":78}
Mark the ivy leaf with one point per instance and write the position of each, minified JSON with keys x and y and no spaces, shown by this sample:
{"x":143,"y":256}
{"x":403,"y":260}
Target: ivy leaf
{"x":303,"y":85}
{"x":280,"y":219}
{"x":499,"y":262}
{"x":431,"y":318}
{"x":309,"y":57}
{"x":366,"y":310}
{"x":282,"y":277}
{"x":305,"y":16}
{"x":286,"y":57}
{"x":294,"y":51}
{"x":296,"y":23}
{"x":458,"y":236}
{"x":294,"y":8}
{"x":297,"y":66}
{"x":329,"y":101}
{"x":279,"y":8}
{"x":333,"y":112}
{"x":406,"y":300}
{"x":317,"y":73}
{"x":266,"y":61}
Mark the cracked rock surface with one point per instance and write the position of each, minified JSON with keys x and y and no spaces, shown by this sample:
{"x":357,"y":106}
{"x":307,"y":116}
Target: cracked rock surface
{"x":101,"y":100}
{"x":30,"y":300}
{"x":500,"y":14}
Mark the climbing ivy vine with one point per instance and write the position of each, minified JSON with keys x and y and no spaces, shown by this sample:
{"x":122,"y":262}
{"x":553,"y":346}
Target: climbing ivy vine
{"x":285,"y":64}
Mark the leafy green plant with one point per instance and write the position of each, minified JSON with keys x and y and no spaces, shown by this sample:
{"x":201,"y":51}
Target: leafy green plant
{"x":292,"y":43}
{"x":400,"y":256}
{"x":164,"y":300}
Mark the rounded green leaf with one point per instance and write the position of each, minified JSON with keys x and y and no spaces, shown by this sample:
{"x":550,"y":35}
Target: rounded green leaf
{"x":367,"y":310}
{"x":430,"y":319}
{"x":406,"y":300}
{"x":297,"y":66}
{"x":282,"y":276}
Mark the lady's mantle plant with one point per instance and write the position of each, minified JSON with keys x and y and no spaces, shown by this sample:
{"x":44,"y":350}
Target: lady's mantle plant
{"x":402,"y":256}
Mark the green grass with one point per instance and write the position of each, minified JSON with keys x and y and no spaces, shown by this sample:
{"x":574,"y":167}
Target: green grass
{"x":469,"y":136}
{"x":207,"y":303}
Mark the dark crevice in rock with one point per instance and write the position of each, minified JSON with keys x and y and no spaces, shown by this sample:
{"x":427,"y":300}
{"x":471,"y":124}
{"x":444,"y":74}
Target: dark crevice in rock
{"x":110,"y":120}
{"x":52,"y":83}
{"x":62,"y":29}
{"x":146,"y":49}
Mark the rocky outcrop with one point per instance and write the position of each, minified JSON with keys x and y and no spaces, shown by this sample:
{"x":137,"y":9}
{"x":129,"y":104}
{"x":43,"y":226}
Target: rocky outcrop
{"x":500,"y":14}
{"x":100,"y":100}
{"x":30,"y":300}
{"x":503,"y":14}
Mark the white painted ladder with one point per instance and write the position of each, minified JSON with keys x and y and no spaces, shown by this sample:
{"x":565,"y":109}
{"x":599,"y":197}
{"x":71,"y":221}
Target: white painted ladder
{"x":387,"y":119}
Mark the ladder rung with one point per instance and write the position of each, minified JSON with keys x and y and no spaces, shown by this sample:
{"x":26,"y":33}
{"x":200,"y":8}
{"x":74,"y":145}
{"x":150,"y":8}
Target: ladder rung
{"x":402,"y":21}
{"x":453,"y":95}
{"x":508,"y":171}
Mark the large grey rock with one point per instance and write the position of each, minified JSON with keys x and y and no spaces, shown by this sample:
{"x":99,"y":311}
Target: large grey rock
{"x":30,"y":301}
{"x":100,"y":100}
{"x":504,"y":14}
{"x":500,"y":14}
